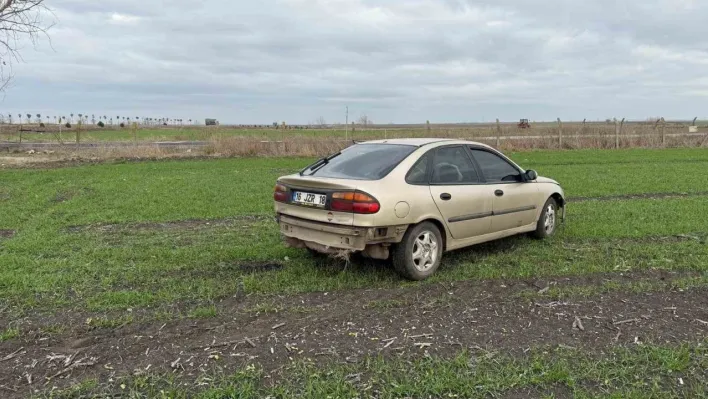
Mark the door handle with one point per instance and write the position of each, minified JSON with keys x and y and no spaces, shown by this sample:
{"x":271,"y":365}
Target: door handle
{"x":499,"y":193}
{"x":445,"y":197}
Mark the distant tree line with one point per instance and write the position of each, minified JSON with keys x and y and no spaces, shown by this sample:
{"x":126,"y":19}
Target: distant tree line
{"x":93,"y":119}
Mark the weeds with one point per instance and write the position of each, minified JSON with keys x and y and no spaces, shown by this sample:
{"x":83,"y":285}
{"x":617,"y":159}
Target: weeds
{"x":640,"y":372}
{"x":9,"y":333}
{"x":204,"y":312}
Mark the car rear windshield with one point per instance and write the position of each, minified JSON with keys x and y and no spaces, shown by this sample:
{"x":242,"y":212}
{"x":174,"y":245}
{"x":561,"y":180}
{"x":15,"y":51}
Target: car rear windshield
{"x":363,"y":162}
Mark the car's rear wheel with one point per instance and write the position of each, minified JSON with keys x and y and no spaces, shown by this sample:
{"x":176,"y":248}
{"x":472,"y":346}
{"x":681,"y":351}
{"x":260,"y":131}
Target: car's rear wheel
{"x":418,"y":255}
{"x":548,"y":222}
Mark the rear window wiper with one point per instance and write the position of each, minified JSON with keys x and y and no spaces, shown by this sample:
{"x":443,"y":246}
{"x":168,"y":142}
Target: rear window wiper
{"x":319,"y":164}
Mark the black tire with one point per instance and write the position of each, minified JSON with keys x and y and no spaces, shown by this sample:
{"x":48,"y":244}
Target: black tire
{"x":545,"y":227}
{"x":428,"y":262}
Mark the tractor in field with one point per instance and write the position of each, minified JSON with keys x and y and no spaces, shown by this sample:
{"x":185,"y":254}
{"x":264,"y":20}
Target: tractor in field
{"x":524,"y":124}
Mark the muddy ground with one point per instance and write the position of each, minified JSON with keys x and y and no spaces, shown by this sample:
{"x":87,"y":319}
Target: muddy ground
{"x":345,"y":326}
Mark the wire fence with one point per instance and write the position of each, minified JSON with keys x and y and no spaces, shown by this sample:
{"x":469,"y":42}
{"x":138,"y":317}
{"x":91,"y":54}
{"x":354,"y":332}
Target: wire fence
{"x":243,"y":141}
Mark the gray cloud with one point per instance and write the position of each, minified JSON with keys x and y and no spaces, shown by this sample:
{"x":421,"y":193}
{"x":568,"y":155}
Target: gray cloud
{"x":400,"y":61}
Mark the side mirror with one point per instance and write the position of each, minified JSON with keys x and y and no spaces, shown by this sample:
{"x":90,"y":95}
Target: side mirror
{"x":531,"y":174}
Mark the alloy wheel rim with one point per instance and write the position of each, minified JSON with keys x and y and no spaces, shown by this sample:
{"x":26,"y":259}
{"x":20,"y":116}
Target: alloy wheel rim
{"x":425,"y":251}
{"x":550,"y":222}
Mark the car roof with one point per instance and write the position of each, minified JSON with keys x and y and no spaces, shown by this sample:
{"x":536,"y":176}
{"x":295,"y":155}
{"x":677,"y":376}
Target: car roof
{"x":419,"y":142}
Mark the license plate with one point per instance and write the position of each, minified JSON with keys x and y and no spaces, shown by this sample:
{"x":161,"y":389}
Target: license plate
{"x":318,"y":200}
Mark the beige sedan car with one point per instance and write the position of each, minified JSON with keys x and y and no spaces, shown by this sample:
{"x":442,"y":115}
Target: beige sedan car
{"x":413,"y":199}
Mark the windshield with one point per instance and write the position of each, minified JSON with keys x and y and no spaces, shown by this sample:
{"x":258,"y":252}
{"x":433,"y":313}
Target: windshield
{"x":363,"y":162}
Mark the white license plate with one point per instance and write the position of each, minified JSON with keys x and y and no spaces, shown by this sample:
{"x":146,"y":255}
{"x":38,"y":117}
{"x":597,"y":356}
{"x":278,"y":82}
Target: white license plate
{"x":309,"y":199}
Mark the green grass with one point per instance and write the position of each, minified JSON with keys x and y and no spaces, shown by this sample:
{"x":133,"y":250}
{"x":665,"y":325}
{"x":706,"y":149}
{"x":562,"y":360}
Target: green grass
{"x":9,"y":333}
{"x":637,"y":218}
{"x":604,"y":157}
{"x":593,"y":173}
{"x":203,"y":312}
{"x":646,"y":371}
{"x":627,"y":178}
{"x":149,"y":191}
{"x":48,"y":264}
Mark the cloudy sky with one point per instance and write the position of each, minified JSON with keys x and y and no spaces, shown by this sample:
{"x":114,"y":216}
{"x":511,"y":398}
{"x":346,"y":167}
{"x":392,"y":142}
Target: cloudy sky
{"x":403,"y":61}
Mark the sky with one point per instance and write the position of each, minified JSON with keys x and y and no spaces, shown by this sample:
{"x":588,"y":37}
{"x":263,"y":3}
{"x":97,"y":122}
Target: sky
{"x":395,"y":61}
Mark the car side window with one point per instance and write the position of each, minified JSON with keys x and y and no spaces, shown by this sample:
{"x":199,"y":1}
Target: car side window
{"x":495,"y":168}
{"x":452,"y":165}
{"x":419,"y":172}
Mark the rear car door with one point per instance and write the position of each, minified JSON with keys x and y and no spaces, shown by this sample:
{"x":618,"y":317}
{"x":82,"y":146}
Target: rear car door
{"x":514,"y":199}
{"x":458,"y":192}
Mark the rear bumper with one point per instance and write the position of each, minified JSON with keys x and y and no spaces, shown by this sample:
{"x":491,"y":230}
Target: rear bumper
{"x":326,"y":237}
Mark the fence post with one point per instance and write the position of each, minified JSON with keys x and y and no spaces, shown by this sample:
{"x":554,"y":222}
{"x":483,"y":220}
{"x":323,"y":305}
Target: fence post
{"x":663,"y":129}
{"x":20,"y":134}
{"x":498,"y":132}
{"x":134,"y":128}
{"x":617,"y":134}
{"x":560,"y":133}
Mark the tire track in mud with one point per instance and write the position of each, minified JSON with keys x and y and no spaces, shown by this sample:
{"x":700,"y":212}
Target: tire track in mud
{"x":188,"y":224}
{"x":637,"y":196}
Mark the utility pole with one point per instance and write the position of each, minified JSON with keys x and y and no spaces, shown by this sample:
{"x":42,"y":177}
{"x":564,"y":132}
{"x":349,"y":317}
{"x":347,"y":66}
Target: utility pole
{"x":346,"y":125}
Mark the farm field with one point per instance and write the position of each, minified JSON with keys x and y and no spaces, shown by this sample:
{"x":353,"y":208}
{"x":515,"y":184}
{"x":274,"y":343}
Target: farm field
{"x":168,"y":278}
{"x":11,"y":133}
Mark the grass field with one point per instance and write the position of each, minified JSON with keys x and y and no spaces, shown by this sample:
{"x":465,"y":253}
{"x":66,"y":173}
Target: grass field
{"x":43,"y":206}
{"x":136,"y":241}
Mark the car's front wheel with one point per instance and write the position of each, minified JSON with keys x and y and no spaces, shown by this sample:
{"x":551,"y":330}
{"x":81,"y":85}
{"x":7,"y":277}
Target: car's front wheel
{"x":418,"y":255}
{"x":548,"y":222}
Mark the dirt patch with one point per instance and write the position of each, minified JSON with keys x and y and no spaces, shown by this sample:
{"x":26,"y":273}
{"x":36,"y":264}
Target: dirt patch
{"x":194,"y":224}
{"x":436,"y":319}
{"x":17,"y":161}
{"x":638,"y":196}
{"x":57,"y":161}
{"x":7,"y":233}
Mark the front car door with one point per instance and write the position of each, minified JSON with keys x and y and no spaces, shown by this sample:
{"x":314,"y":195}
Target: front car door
{"x":458,"y":191}
{"x":515,"y":199}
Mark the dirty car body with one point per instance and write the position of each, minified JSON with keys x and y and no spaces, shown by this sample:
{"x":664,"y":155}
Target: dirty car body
{"x":413,"y":199}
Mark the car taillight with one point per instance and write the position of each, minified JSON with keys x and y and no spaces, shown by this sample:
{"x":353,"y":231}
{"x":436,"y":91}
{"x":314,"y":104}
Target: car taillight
{"x":280,"y":193}
{"x":354,"y":201}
